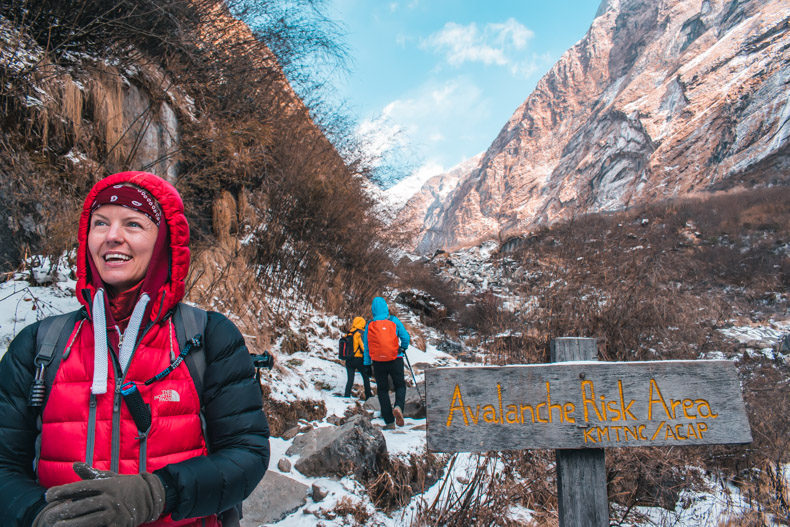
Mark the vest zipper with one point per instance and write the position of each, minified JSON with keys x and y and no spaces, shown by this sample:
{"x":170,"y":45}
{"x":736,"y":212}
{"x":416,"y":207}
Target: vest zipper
{"x":120,"y":378}
{"x":143,"y":453}
{"x":91,"y":441}
{"x":115,"y":452}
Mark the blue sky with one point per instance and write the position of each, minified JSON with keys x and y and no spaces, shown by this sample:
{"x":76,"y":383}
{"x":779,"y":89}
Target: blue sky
{"x":437,"y":79}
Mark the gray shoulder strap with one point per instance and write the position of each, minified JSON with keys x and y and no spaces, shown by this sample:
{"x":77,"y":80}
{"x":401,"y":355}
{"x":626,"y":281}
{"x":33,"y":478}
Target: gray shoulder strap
{"x":51,"y":340}
{"x":191,"y":321}
{"x":51,"y":333}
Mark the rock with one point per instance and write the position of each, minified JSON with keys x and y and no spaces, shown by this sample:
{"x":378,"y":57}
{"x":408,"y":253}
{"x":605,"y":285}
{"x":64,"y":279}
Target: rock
{"x":284,"y":465}
{"x":450,"y":347}
{"x":290,"y":433}
{"x":421,"y":303}
{"x":275,"y":497}
{"x":319,"y":492}
{"x":758,"y":344}
{"x":354,"y":447}
{"x":414,"y":404}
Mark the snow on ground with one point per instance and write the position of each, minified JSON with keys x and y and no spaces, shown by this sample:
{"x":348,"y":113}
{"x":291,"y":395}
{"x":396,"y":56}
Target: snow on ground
{"x":762,"y":338}
{"x":701,"y":508}
{"x":315,"y":374}
{"x":22,"y":304}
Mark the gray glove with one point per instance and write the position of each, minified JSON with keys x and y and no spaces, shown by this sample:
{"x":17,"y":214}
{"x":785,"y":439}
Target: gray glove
{"x":103,"y":498}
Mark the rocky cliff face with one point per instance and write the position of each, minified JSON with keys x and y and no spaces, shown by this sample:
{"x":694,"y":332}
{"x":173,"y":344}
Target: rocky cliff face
{"x":422,"y":211}
{"x":659,"y":99}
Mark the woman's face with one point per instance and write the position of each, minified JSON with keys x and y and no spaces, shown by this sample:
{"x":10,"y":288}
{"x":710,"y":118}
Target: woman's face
{"x":121,"y":242}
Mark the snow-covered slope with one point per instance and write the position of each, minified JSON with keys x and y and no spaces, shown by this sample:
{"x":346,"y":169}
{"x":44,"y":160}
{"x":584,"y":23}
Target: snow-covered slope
{"x":314,"y":374}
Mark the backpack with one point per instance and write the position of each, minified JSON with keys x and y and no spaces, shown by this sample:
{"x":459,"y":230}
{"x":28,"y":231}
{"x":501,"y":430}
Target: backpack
{"x":345,"y":346}
{"x":52,"y":339}
{"x":383,"y":340}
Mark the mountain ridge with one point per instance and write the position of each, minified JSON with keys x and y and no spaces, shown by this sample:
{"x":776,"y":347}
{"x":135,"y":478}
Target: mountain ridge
{"x":658,"y":99}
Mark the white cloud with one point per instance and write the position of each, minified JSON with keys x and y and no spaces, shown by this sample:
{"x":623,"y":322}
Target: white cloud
{"x":510,"y":32}
{"x":529,"y":66}
{"x":426,"y":122}
{"x":500,"y":44}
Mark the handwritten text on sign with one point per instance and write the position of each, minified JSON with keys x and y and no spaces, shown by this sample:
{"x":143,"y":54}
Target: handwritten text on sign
{"x":585,"y":405}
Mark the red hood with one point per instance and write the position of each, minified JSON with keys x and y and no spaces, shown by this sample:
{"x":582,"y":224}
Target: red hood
{"x":169,"y":294}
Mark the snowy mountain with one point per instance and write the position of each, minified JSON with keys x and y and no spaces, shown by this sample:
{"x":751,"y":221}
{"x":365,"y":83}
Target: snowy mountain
{"x":659,"y":99}
{"x":421,"y":211}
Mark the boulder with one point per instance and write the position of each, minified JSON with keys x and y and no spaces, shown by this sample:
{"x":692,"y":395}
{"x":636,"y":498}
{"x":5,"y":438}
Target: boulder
{"x":275,"y":497}
{"x":355,"y":446}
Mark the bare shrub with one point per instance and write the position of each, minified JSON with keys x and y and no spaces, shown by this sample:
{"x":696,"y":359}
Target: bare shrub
{"x":397,"y":481}
{"x":34,"y":221}
{"x":484,"y":497}
{"x":243,"y":130}
{"x":356,"y":510}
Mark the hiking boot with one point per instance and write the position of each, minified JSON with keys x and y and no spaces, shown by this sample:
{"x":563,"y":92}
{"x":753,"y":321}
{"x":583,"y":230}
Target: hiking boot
{"x":398,"y":415}
{"x":389,"y":426}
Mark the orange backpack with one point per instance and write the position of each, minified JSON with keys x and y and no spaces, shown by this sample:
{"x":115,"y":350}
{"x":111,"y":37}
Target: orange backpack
{"x":382,"y":340}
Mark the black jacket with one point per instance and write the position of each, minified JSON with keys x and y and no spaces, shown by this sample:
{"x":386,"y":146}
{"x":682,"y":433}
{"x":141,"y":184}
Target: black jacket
{"x":237,"y":429}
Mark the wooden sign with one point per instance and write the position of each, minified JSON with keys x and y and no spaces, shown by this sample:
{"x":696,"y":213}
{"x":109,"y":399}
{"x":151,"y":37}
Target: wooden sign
{"x":586,"y":404}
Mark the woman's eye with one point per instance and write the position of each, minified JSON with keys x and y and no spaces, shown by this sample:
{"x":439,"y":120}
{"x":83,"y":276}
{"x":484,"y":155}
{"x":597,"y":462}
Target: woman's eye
{"x":134,"y":225}
{"x":98,"y":223}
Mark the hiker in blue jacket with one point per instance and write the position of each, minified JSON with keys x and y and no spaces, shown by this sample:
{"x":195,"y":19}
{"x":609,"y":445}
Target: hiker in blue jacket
{"x":386,"y":340}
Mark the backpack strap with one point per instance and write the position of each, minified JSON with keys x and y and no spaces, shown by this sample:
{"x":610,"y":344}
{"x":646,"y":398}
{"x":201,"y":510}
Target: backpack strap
{"x":51,"y":339}
{"x":190,"y":322}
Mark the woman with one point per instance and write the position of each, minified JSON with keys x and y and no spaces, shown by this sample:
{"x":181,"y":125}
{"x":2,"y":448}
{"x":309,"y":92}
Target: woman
{"x":354,"y":363}
{"x":88,"y":450}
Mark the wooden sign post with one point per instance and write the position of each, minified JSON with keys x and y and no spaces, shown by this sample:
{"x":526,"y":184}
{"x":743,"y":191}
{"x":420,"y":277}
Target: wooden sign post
{"x":581,"y":473}
{"x":581,"y":406}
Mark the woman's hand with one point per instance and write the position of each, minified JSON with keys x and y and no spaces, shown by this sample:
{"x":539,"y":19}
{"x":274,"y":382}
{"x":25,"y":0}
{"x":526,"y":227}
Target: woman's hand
{"x":103,"y":498}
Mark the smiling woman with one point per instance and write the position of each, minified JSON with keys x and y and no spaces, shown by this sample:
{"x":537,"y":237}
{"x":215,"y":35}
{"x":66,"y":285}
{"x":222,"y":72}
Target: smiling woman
{"x":123,"y":436}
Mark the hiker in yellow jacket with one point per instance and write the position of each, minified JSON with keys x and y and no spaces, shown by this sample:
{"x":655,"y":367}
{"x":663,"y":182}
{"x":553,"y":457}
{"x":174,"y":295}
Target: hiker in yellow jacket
{"x":356,"y":363}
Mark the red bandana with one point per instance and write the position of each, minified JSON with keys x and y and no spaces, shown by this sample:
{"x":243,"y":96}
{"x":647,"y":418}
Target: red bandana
{"x":133,"y":198}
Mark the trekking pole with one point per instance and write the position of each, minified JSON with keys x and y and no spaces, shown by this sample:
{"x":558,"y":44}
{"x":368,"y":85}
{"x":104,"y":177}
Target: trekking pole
{"x":416,"y":386}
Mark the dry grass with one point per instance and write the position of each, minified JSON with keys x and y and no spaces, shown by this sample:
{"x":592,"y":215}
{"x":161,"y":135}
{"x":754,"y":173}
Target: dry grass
{"x":654,"y":283}
{"x":397,"y":481}
{"x":485,"y":497}
{"x":284,"y":415}
{"x":355,"y":511}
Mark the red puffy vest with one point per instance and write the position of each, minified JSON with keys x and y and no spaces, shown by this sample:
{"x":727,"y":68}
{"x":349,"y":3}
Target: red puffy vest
{"x":382,"y":340}
{"x":69,"y":415}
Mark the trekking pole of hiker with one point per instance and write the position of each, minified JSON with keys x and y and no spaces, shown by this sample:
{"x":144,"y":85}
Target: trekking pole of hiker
{"x":416,"y":386}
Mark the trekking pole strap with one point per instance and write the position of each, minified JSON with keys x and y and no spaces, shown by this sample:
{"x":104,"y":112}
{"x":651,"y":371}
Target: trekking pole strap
{"x":141,"y":414}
